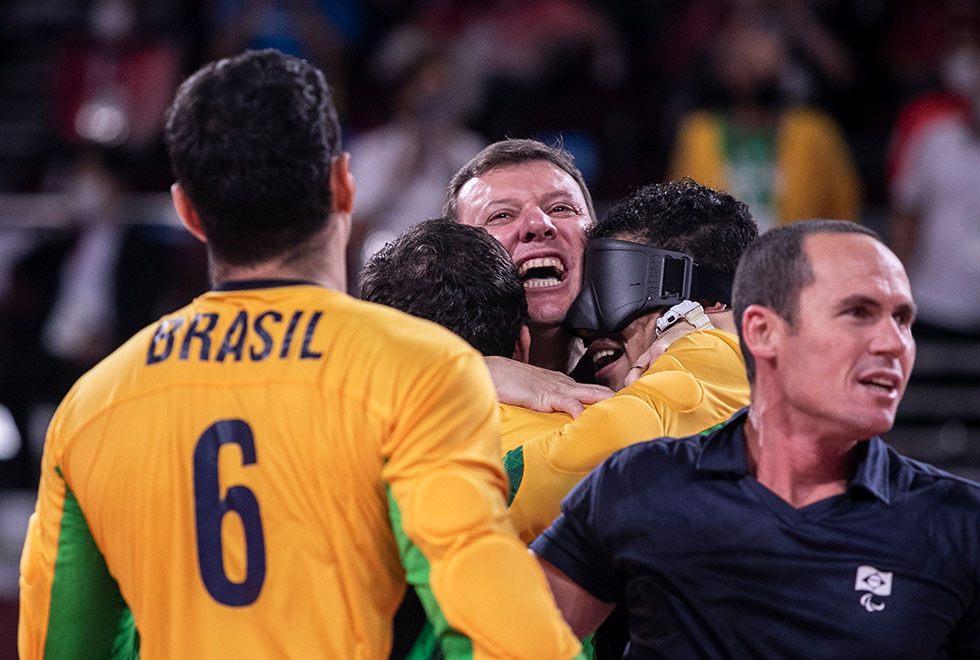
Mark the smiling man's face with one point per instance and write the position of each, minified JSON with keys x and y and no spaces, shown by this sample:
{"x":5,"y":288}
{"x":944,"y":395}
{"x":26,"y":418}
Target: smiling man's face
{"x":538,"y":213}
{"x":615,"y":354}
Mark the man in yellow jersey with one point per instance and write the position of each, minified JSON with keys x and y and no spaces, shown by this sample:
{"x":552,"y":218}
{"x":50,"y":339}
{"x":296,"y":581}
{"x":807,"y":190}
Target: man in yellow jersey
{"x":455,"y":276}
{"x":663,"y":257}
{"x":461,"y":278}
{"x":242,"y":478}
{"x":657,"y":266}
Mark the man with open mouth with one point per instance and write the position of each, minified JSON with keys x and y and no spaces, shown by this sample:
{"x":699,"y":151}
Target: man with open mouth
{"x":665,"y":254}
{"x":532,"y":198}
{"x":793,"y":530}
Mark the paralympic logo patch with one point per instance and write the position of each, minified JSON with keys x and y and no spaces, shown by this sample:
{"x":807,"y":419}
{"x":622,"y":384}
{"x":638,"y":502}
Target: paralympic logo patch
{"x":875,"y":583}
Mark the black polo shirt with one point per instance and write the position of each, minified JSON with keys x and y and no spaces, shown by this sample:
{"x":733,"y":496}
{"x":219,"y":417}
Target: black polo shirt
{"x":709,"y":563}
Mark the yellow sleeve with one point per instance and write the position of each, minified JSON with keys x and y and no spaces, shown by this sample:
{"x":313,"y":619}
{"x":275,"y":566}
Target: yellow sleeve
{"x":446,"y":480}
{"x":699,"y":151}
{"x":820,"y":177}
{"x":70,"y":605}
{"x":698,"y":383}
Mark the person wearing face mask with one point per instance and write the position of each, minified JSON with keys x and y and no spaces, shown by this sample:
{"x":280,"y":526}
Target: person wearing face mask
{"x":935,"y":201}
{"x":786,"y":162}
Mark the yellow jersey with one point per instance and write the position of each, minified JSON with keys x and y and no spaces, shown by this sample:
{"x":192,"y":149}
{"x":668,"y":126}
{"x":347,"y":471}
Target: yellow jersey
{"x":698,"y":383}
{"x":246,"y":477}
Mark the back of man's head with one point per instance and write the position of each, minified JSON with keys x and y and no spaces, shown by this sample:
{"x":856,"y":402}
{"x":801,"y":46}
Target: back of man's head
{"x":774,"y":269}
{"x":455,"y":275}
{"x":683,"y":216}
{"x":507,"y":153}
{"x":251,"y":140}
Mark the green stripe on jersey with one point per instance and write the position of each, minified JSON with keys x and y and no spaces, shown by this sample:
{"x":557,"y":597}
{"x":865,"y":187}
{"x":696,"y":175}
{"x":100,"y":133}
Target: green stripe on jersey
{"x":455,"y":645}
{"x":514,"y":467}
{"x":711,"y":428}
{"x":89,"y":618}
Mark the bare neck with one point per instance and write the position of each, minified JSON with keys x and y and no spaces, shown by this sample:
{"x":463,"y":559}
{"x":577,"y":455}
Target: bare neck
{"x":796,"y":463}
{"x":321,"y":259}
{"x":724,"y":320}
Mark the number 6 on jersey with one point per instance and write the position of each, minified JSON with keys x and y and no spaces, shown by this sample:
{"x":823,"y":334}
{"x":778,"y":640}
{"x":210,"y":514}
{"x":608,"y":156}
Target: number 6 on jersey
{"x":210,"y":509}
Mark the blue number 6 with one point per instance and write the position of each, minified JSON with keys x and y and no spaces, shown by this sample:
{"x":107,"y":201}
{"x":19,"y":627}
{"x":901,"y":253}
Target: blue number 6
{"x":210,"y":509}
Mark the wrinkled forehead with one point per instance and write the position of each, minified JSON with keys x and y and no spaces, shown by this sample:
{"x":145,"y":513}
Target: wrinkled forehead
{"x":531,"y":179}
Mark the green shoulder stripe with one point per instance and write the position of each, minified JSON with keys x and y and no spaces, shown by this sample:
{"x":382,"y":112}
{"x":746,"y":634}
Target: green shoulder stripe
{"x":454,"y":644}
{"x":89,"y":620}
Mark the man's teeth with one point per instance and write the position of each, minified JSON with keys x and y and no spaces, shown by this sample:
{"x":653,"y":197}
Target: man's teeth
{"x":877,"y":382}
{"x":604,"y":353}
{"x":537,"y":282}
{"x":541,"y":262}
{"x":550,"y":272}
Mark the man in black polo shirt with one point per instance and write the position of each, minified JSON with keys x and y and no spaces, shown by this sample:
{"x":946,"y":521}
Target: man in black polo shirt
{"x":793,"y":531}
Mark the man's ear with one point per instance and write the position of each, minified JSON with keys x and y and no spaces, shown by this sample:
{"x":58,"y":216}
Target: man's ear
{"x":187,"y":213}
{"x":522,"y":348}
{"x":342,"y":184}
{"x":762,"y":331}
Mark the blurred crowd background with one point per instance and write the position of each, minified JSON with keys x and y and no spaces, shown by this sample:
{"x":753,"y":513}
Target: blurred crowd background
{"x":862,"y":109}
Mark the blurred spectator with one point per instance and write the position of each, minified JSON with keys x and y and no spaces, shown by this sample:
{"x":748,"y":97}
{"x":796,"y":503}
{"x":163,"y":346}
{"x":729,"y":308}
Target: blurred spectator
{"x":935,"y":192}
{"x":785,"y":160}
{"x":34,"y":380}
{"x":402,"y":167}
{"x":938,"y":81}
{"x":79,"y":326}
{"x":112,"y":83}
{"x":542,"y":68}
{"x":320,"y":31}
{"x":71,"y":291}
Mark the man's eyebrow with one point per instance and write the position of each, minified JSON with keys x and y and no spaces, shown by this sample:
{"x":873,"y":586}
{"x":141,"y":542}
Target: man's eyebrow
{"x":909,"y":309}
{"x":558,"y":193}
{"x":860,"y":300}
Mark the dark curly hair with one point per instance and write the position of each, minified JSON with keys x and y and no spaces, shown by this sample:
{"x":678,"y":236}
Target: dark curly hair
{"x":251,"y":139}
{"x":455,"y":275}
{"x":711,"y":226}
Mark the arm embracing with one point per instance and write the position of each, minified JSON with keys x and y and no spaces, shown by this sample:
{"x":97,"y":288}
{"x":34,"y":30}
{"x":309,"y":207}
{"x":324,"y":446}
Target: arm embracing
{"x":447,"y":486}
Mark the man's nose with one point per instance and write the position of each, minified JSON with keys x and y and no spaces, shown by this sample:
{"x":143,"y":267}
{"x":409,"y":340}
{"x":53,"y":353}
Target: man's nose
{"x":536,"y":225}
{"x":891,"y":338}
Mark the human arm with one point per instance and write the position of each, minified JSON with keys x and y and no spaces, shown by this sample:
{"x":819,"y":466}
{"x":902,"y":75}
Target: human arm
{"x":528,"y":386}
{"x":698,"y":150}
{"x":483,"y":593}
{"x":821,"y":178}
{"x":577,"y":561}
{"x":70,"y":605}
{"x":583,"y":611}
{"x":698,"y":383}
{"x":657,"y":348}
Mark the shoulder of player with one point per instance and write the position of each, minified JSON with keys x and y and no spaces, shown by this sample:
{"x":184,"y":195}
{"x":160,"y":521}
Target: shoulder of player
{"x":701,"y":340}
{"x":657,"y":454}
{"x":915,"y":477}
{"x":708,"y":351}
{"x":392,"y":327}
